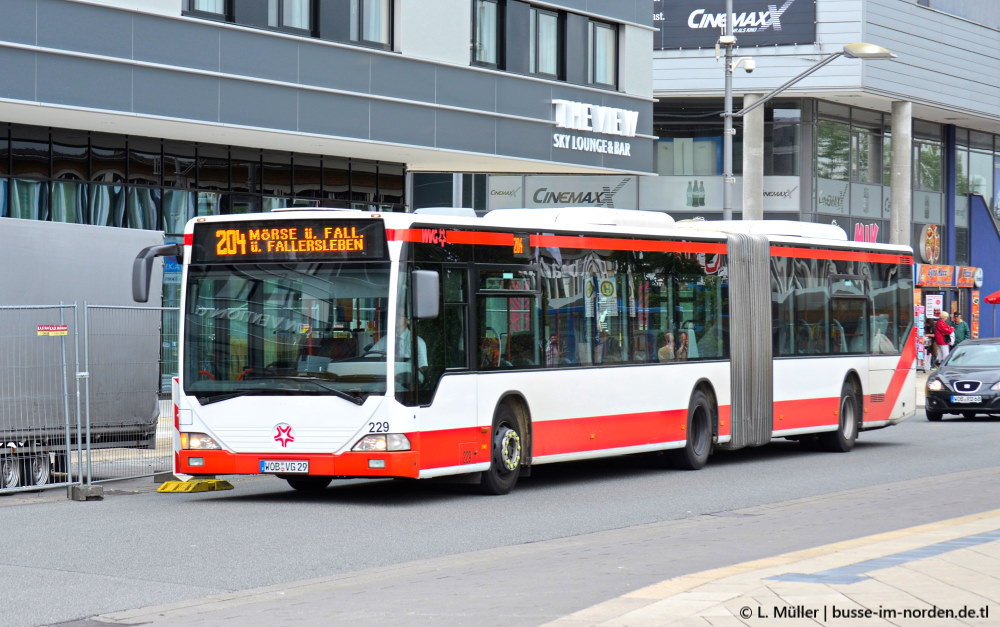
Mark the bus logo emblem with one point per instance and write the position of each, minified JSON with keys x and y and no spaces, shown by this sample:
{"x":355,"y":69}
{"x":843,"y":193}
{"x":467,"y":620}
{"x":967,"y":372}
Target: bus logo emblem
{"x":284,"y":434}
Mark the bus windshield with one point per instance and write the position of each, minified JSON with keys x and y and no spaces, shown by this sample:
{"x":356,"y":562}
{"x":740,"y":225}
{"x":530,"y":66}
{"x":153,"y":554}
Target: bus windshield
{"x":285,"y":329}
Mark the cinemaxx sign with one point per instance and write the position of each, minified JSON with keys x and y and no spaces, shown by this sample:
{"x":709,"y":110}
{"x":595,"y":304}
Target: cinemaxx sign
{"x":698,"y":23}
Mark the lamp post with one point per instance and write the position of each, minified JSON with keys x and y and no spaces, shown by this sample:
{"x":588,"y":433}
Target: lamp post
{"x":860,"y":50}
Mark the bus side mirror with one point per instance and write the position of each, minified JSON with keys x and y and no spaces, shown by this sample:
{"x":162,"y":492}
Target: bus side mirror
{"x":426,"y":294}
{"x":142,"y":268}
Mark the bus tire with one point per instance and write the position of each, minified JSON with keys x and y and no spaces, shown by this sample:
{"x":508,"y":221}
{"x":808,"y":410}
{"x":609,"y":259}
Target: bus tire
{"x":698,"y":446}
{"x":505,"y":453}
{"x":309,"y":483}
{"x":842,"y":440}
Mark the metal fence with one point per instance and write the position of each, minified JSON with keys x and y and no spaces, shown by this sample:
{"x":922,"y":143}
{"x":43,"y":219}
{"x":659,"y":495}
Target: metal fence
{"x":81,"y":394}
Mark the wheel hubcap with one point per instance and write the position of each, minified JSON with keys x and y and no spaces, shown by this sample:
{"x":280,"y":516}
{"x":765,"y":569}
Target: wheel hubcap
{"x":9,"y":473}
{"x":39,"y":470}
{"x":508,"y":447}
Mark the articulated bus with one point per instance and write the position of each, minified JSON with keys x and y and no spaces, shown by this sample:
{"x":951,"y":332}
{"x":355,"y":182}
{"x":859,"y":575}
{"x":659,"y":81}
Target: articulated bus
{"x":323,"y":343}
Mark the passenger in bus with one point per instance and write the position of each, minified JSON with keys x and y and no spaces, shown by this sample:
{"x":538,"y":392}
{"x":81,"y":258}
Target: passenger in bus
{"x":639,"y":352}
{"x":404,"y":343}
{"x":803,"y":343}
{"x":683,"y":346}
{"x":881,"y":344}
{"x":609,"y":349}
{"x":552,"y":351}
{"x":666,"y":351}
{"x":489,"y":349}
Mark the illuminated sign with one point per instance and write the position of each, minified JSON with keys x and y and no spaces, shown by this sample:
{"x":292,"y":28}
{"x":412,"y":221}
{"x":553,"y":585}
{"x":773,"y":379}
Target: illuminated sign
{"x":288,"y":240}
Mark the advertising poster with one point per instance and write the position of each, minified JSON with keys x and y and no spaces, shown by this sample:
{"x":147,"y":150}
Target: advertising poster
{"x":974,"y":314}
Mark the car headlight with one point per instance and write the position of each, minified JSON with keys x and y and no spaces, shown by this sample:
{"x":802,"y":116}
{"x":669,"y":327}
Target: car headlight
{"x":935,"y":385}
{"x":199,"y":441}
{"x":378,"y":443}
{"x":995,"y":387}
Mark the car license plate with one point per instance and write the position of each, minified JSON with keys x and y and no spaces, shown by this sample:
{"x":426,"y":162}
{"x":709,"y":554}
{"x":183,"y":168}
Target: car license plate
{"x":966,"y":399}
{"x":284,"y":466}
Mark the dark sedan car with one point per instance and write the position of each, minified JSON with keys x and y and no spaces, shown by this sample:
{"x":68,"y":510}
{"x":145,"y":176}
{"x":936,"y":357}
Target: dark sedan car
{"x":967,"y":383}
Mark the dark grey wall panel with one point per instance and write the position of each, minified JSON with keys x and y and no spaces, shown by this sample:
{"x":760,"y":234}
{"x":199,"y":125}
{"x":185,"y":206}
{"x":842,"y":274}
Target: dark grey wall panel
{"x":516,"y":35}
{"x":334,"y":21}
{"x":177,"y":95}
{"x":464,"y":88}
{"x":464,"y":131}
{"x":17,"y":75}
{"x":402,"y":78}
{"x":524,"y":97}
{"x":86,"y":28}
{"x":176,"y":43}
{"x":333,"y":114}
{"x":18,"y":21}
{"x":259,"y":55}
{"x":265,"y":106}
{"x":533,"y":141}
{"x":84,"y":83}
{"x":576,"y":48}
{"x":402,"y":124}
{"x":250,"y":12}
{"x":336,"y":68}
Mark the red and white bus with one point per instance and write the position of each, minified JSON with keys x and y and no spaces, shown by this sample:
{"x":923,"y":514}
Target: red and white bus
{"x":332,"y":343}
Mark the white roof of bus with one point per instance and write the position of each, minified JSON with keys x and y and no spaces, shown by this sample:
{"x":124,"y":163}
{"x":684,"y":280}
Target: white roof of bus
{"x":602,"y":219}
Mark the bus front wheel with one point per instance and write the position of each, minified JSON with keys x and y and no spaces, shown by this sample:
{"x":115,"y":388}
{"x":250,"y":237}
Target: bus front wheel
{"x":505,"y":455}
{"x":842,"y":440}
{"x":698,"y":446}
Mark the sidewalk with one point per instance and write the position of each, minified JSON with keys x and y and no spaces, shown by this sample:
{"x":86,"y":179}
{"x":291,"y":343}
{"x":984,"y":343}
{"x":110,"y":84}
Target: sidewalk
{"x":942,"y":573}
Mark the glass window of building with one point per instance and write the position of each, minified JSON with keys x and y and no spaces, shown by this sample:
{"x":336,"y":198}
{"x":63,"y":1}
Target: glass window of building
{"x":543,"y":43}
{"x":245,"y":170}
{"x":981,"y":165}
{"x":144,"y":161}
{"x":370,"y":22}
{"x":485,"y":33}
{"x":293,"y":14}
{"x":179,"y":165}
{"x":336,"y":181}
{"x":213,"y":168}
{"x":215,"y":7}
{"x":782,"y":132}
{"x":928,"y":156}
{"x":602,"y":54}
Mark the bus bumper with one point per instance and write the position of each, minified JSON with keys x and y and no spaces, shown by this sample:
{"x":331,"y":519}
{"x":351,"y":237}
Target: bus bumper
{"x":384,"y":464}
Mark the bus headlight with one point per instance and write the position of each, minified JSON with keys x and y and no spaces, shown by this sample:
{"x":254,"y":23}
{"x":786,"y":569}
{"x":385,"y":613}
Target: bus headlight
{"x":383,"y":442}
{"x":198,"y":441}
{"x":935,"y":385}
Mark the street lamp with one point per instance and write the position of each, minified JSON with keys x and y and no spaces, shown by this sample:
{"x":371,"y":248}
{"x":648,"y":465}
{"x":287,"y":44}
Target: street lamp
{"x":858,"y":50}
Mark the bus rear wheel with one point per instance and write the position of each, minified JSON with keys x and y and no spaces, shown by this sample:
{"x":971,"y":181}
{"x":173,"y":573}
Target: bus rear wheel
{"x":698,"y":446}
{"x":309,"y":483}
{"x":505,"y":455}
{"x":842,"y":440}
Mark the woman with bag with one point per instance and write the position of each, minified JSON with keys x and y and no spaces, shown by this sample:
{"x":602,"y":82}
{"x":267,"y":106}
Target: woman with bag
{"x":942,"y":336}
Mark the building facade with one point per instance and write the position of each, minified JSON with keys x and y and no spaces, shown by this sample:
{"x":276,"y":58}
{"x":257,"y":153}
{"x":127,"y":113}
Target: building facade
{"x":823,"y":149}
{"x":145,"y":114}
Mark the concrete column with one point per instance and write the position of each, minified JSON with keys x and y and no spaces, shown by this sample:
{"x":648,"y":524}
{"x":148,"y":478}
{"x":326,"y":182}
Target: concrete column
{"x":753,"y":160}
{"x":901,"y":213}
{"x":456,"y":189}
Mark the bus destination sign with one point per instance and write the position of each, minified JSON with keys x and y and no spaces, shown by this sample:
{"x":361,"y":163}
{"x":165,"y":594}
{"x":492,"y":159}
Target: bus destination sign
{"x":287,"y":240}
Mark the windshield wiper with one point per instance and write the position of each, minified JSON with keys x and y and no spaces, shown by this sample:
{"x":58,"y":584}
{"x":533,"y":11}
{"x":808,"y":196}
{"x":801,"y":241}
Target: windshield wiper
{"x":208,"y":398}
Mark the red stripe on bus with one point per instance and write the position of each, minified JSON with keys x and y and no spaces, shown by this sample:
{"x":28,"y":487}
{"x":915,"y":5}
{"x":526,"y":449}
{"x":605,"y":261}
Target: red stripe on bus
{"x":606,"y":243}
{"x":188,"y":239}
{"x":488,"y":238}
{"x":839,"y":255}
{"x":557,"y":437}
{"x":883,"y":411}
{"x":805,"y":413}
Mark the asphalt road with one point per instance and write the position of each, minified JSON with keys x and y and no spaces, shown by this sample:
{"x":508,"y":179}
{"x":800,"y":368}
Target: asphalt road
{"x":568,"y":537}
